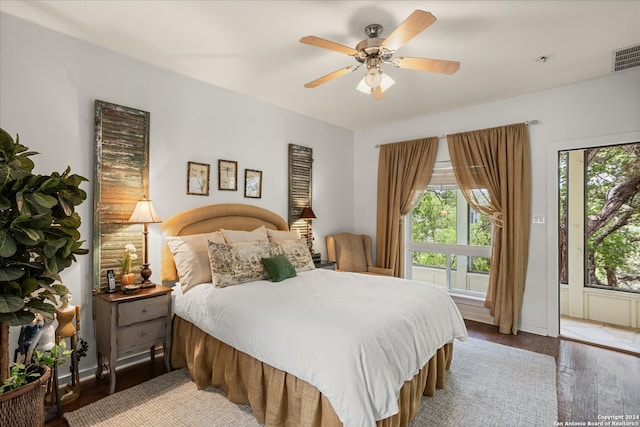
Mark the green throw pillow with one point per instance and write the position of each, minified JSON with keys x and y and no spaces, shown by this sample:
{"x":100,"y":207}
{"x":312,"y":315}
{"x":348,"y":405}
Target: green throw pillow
{"x":279,"y":268}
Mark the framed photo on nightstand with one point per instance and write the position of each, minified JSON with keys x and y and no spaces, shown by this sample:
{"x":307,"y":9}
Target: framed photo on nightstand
{"x":111,"y":282}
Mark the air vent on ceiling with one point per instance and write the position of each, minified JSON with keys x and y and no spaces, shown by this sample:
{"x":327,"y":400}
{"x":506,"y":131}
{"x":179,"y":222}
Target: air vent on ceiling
{"x":625,"y":58}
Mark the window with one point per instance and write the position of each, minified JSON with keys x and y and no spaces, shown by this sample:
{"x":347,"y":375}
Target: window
{"x":448,"y":243}
{"x":480,"y":232}
{"x":607,"y":182}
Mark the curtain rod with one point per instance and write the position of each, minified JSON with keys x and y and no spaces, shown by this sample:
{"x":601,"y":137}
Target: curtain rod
{"x":527,"y":122}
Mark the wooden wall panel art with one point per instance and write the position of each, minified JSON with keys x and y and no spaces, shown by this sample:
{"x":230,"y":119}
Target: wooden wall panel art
{"x":121,"y":179}
{"x":300,"y":184}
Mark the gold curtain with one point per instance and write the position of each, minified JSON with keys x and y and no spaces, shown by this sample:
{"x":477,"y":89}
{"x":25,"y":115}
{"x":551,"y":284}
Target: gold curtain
{"x":404,"y":169}
{"x":493,"y":170}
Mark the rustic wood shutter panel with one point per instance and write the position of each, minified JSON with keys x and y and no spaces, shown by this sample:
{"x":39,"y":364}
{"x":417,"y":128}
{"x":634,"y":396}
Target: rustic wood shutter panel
{"x":300,"y":168}
{"x":121,"y":179}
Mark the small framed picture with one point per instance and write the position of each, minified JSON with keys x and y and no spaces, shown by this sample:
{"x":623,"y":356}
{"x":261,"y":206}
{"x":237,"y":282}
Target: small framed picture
{"x":198,"y":179}
{"x":227,"y":175}
{"x":252,"y":183}
{"x":111,"y":281}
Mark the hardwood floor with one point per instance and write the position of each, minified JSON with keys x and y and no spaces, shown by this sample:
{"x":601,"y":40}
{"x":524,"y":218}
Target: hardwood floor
{"x":591,"y":381}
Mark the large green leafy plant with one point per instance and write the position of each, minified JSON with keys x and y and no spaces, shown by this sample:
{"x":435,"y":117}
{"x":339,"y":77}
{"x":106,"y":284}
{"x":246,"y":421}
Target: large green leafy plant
{"x":39,"y":237}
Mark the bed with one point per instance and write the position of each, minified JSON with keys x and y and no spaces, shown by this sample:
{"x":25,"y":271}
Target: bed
{"x":321,"y":349}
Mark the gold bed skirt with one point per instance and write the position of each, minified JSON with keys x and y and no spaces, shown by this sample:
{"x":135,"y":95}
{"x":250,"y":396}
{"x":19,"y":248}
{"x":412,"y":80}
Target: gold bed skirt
{"x":280,"y":399}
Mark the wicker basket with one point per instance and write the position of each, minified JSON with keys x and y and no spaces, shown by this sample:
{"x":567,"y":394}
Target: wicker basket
{"x":24,"y":407}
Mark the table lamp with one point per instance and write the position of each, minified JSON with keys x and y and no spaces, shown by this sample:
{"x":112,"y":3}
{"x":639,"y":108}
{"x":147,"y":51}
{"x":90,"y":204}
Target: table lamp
{"x":307,"y":214}
{"x":144,"y":214}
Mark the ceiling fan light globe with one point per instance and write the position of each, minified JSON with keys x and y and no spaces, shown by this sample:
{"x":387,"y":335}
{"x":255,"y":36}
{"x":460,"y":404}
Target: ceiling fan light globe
{"x":373,"y":78}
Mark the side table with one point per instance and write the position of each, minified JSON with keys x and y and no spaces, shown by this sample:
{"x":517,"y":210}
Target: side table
{"x":129,"y":324}
{"x":328,"y":265}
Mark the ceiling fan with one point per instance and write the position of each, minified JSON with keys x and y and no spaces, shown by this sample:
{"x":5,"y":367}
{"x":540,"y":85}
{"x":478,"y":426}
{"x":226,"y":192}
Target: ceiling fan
{"x":376,"y":51}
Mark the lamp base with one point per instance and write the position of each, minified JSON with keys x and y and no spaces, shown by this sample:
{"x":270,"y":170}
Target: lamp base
{"x":146,"y":273}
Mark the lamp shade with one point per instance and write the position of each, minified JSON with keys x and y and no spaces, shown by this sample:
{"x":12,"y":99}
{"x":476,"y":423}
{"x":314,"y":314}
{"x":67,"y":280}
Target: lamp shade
{"x":144,"y":213}
{"x":386,"y":81}
{"x":307,"y":213}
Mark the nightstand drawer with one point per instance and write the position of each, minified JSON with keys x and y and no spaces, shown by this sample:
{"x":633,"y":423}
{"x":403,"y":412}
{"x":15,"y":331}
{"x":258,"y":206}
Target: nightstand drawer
{"x":142,"y":310}
{"x":141,"y":336}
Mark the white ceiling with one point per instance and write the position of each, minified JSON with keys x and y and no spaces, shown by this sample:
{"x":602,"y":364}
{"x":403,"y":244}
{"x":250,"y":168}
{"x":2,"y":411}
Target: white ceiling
{"x":252,"y":47}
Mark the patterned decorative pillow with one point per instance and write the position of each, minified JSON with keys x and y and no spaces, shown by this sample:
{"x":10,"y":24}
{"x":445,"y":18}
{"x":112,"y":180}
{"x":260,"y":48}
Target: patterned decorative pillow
{"x":296,"y":250}
{"x":237,"y":236}
{"x":191,"y":255}
{"x":237,"y":262}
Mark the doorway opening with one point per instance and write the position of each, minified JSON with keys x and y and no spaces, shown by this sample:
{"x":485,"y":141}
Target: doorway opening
{"x":599,"y":245}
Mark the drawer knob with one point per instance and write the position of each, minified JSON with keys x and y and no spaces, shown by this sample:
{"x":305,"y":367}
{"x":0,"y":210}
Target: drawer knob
{"x":144,"y":310}
{"x":143,"y":333}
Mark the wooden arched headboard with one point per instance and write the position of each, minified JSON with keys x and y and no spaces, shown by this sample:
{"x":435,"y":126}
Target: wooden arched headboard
{"x":205,"y":219}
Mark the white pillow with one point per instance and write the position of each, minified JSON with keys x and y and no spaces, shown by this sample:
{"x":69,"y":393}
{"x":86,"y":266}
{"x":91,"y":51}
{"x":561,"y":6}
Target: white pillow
{"x":191,"y":255}
{"x":238,"y":236}
{"x":279,"y":235}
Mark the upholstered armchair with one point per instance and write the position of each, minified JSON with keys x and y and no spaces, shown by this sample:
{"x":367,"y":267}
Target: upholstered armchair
{"x":352,"y":252}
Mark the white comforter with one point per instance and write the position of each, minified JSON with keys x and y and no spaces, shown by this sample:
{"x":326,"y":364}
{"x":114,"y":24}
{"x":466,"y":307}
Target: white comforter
{"x":355,"y":337}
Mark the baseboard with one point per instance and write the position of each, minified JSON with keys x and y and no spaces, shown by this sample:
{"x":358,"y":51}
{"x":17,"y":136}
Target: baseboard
{"x":532,"y":329}
{"x":90,"y":372}
{"x":472,"y":308}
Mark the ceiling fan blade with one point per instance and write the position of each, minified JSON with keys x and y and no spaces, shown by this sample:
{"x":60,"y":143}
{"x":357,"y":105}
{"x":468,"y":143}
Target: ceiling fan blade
{"x":326,"y":44}
{"x":331,"y":76}
{"x":417,"y":22}
{"x":425,"y":64}
{"x":377,"y":93}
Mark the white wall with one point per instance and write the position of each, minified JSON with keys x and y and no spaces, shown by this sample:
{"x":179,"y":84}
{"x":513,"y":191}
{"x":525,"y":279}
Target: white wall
{"x":48,"y":85}
{"x":605,"y":109}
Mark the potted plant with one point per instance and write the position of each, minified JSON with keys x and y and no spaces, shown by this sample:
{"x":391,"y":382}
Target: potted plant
{"x":38,"y":368}
{"x":39,"y":238}
{"x":126,"y":263}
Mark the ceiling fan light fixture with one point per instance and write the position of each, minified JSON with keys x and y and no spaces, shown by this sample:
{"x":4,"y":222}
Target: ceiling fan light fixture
{"x":385,"y":83}
{"x":373,"y":77}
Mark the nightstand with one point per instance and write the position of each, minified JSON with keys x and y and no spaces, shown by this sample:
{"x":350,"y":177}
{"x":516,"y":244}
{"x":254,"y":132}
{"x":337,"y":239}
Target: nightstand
{"x":328,"y":265}
{"x":130,"y":324}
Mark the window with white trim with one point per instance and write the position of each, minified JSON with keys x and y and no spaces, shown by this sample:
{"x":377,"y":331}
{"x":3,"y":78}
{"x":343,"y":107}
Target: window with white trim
{"x":448,"y":243}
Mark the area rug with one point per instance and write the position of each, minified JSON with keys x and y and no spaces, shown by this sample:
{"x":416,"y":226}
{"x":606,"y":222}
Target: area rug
{"x":488,"y":385}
